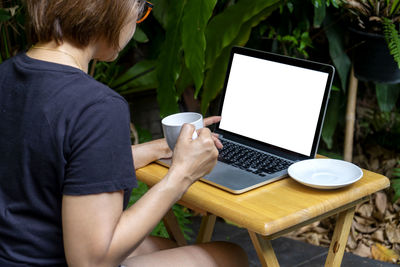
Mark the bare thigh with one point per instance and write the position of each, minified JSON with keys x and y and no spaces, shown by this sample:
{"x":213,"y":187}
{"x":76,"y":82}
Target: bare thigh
{"x":201,"y":255}
{"x":152,"y":244}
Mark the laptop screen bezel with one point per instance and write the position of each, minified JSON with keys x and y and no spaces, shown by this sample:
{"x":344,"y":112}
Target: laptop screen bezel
{"x":284,"y":60}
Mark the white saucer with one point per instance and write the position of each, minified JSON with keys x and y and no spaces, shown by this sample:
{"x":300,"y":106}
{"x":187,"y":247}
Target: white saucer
{"x":325,"y":173}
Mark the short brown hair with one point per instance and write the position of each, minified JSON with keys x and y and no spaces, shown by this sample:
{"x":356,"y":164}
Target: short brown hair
{"x":79,"y":21}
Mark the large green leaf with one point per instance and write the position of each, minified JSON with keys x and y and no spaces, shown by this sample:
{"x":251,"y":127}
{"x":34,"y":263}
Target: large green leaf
{"x":145,"y":82}
{"x":140,"y":77}
{"x":4,"y":15}
{"x":160,"y":6}
{"x":319,"y":14}
{"x":195,"y":18}
{"x":169,"y":64}
{"x":331,"y":119}
{"x":396,"y":187}
{"x":134,"y":72}
{"x":185,"y":80}
{"x":214,"y":79}
{"x":216,"y":74}
{"x":337,"y":51}
{"x":140,"y":36}
{"x":387,"y":96}
{"x":224,"y":27}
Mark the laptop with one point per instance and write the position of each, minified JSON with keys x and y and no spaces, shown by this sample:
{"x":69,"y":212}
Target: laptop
{"x":272,"y":110}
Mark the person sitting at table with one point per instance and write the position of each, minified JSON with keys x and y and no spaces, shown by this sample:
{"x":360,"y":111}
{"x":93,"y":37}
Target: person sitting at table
{"x":66,"y":168}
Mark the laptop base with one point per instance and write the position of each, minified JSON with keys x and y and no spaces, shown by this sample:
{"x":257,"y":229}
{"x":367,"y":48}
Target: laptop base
{"x":233,"y":180}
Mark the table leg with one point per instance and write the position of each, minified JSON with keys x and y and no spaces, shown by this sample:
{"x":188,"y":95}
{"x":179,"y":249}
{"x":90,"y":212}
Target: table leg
{"x":264,"y":250}
{"x":339,"y":238}
{"x":206,"y":228}
{"x":173,"y":228}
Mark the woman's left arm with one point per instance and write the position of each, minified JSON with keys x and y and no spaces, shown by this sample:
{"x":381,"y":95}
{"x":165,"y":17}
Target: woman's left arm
{"x":148,"y":152}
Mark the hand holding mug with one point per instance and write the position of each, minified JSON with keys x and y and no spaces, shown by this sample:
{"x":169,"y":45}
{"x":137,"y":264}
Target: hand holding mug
{"x":194,"y":158}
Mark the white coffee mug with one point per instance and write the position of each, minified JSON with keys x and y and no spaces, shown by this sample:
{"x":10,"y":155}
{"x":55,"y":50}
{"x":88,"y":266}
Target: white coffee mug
{"x":172,"y":125}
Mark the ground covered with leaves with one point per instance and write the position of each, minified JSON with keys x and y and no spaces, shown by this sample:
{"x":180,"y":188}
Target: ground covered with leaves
{"x":375,"y":232}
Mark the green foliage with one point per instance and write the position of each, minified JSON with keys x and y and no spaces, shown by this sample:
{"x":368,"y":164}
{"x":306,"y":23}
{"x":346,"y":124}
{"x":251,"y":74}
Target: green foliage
{"x":319,"y":3}
{"x":320,"y":10}
{"x":331,"y":118}
{"x":139,"y":77}
{"x":297,"y":32}
{"x":380,"y":16}
{"x":298,"y":40}
{"x":395,"y":182}
{"x":385,"y":122}
{"x":337,"y":52}
{"x":229,"y":28}
{"x":12,"y":32}
{"x":392,"y":39}
{"x":197,"y":14}
{"x":190,"y":49}
{"x":169,"y":60}
{"x":387,"y":96}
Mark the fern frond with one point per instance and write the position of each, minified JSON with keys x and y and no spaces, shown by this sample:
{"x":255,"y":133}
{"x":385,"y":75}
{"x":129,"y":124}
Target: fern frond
{"x":395,"y":7}
{"x":392,"y":39}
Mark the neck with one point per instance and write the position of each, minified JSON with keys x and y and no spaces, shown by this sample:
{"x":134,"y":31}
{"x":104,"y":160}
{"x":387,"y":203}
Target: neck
{"x":65,"y":54}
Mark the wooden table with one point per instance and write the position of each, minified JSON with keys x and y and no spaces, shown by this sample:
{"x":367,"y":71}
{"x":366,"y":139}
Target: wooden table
{"x":273,"y":210}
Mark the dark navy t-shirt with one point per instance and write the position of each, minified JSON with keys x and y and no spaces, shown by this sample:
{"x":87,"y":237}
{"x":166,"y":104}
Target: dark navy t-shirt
{"x":61,"y":133}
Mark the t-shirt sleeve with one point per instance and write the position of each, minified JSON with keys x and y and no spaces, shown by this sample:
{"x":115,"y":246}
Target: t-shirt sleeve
{"x":100,"y":158}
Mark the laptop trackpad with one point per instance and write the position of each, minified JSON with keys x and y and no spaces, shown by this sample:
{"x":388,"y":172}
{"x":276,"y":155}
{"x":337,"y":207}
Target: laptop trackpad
{"x":235,"y":180}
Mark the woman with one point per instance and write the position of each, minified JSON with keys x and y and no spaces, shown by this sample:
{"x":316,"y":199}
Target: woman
{"x":66,"y":167}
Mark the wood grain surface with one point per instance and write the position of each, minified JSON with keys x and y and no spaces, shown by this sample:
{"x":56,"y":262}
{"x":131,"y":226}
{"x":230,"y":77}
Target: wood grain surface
{"x":274,"y":207}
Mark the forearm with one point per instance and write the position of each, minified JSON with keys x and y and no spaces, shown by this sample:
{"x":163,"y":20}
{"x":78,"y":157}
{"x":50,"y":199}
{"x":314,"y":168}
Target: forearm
{"x":146,"y":153}
{"x":140,"y":219}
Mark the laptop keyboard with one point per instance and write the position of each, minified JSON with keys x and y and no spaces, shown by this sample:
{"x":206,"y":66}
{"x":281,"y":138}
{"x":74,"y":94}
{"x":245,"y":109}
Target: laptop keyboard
{"x":251,"y":160}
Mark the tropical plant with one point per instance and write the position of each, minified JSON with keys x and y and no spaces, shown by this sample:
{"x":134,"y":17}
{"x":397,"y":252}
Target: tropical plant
{"x":377,"y":16}
{"x":395,"y":183}
{"x":192,"y":50}
{"x":308,"y":29}
{"x":12,"y":31}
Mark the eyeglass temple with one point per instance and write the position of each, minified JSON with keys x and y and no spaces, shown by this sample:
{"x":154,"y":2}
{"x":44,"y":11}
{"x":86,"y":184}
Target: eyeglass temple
{"x":149,"y":8}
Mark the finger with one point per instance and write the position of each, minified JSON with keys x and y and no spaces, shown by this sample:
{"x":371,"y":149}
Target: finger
{"x":217,"y":142}
{"x":215,"y":135}
{"x":211,"y":120}
{"x":187,"y":131}
{"x":204,"y":133}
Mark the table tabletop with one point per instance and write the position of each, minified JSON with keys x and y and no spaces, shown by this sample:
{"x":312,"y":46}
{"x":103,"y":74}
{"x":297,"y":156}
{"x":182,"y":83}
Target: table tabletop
{"x":274,"y":207}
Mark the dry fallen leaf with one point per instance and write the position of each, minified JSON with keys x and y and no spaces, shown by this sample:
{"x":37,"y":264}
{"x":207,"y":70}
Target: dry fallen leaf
{"x":352,"y":243}
{"x":396,"y":207}
{"x":362,"y":250}
{"x":313,"y":238}
{"x":375,"y":164}
{"x":378,"y":236}
{"x":393,"y":233}
{"x":365,"y":229}
{"x":389,"y":217}
{"x":365,"y":210}
{"x":382,"y":253}
{"x":381,"y":202}
{"x":365,"y":221}
{"x":320,"y":230}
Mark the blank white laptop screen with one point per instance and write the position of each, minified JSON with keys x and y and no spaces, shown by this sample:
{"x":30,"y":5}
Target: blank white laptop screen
{"x":274,"y":103}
